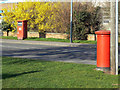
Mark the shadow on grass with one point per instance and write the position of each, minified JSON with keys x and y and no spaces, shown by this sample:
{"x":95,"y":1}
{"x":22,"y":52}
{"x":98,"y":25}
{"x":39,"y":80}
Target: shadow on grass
{"x":17,"y":61}
{"x":4,"y":76}
{"x":21,"y":61}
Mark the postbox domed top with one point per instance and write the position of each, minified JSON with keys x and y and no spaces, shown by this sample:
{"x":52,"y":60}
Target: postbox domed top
{"x":103,"y":32}
{"x":21,"y":20}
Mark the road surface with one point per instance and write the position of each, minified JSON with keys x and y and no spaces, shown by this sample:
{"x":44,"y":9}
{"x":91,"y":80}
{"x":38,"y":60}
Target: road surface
{"x":82,"y":54}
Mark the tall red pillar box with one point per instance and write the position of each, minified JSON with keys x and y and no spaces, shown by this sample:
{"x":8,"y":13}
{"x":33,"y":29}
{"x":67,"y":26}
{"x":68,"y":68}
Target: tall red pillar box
{"x":103,"y":49}
{"x":21,"y":29}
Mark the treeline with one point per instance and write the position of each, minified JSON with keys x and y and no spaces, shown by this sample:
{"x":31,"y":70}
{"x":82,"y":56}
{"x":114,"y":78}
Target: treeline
{"x":54,"y":17}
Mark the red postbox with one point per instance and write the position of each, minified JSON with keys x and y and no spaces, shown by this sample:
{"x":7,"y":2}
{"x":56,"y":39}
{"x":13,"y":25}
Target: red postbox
{"x":103,"y":49}
{"x":22,"y":29}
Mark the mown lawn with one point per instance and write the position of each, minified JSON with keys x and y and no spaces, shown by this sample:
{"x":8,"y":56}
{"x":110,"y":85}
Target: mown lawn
{"x":29,"y":73}
{"x":8,"y":37}
{"x":51,"y":39}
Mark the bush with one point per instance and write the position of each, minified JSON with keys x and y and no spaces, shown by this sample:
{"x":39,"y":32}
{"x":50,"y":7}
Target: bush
{"x":6,"y":27}
{"x":79,"y":28}
{"x":86,"y":19}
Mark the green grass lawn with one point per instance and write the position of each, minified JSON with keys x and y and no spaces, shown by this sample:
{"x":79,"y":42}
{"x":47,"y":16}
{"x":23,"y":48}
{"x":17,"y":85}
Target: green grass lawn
{"x":8,"y":37}
{"x":28,"y":73}
{"x":51,"y":39}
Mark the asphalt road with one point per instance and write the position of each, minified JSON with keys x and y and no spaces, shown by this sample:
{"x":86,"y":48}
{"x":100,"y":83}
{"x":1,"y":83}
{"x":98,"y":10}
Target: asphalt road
{"x":82,"y":54}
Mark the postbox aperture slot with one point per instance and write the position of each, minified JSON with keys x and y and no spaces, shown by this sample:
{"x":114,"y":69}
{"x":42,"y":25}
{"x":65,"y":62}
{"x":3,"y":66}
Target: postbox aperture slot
{"x":19,"y":23}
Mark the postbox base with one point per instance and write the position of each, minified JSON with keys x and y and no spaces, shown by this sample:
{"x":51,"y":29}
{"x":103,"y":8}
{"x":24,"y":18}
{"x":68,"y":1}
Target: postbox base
{"x":21,"y":38}
{"x":103,"y":68}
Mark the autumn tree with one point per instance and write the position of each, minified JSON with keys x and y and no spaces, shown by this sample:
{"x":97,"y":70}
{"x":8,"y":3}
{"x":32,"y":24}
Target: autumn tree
{"x":84,"y":10}
{"x":63,"y":18}
{"x":40,"y":15}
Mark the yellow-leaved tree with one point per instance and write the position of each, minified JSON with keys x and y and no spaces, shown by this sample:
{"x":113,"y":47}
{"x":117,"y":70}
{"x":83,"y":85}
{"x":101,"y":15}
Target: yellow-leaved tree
{"x":40,"y":15}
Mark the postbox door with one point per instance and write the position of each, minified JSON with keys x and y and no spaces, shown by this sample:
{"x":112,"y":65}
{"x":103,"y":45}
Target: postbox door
{"x":20,"y":30}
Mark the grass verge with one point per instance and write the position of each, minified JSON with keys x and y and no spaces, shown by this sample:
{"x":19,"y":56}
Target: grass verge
{"x":51,"y":39}
{"x":8,"y":37}
{"x":29,"y":73}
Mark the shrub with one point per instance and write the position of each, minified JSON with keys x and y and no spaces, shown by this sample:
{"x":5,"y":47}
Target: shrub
{"x":79,"y":28}
{"x":6,"y":27}
{"x":86,"y":19}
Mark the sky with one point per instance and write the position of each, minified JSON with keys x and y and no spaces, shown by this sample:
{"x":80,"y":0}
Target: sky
{"x":13,"y":1}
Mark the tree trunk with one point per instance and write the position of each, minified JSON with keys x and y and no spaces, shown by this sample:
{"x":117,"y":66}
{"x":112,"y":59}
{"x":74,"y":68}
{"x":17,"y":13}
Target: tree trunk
{"x":7,"y":32}
{"x":42,"y":35}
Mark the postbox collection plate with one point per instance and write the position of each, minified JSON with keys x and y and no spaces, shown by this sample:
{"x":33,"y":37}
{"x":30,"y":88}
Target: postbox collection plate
{"x":19,"y":23}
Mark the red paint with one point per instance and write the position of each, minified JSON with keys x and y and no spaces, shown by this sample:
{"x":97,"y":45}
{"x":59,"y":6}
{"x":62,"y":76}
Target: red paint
{"x":103,"y":48}
{"x":22,"y":30}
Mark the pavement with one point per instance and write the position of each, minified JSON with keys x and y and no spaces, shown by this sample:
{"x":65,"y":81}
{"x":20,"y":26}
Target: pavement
{"x":42,"y":43}
{"x":50,"y":51}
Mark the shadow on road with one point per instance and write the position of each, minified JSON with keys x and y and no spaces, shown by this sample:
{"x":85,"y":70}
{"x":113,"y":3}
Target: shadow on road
{"x":55,"y":53}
